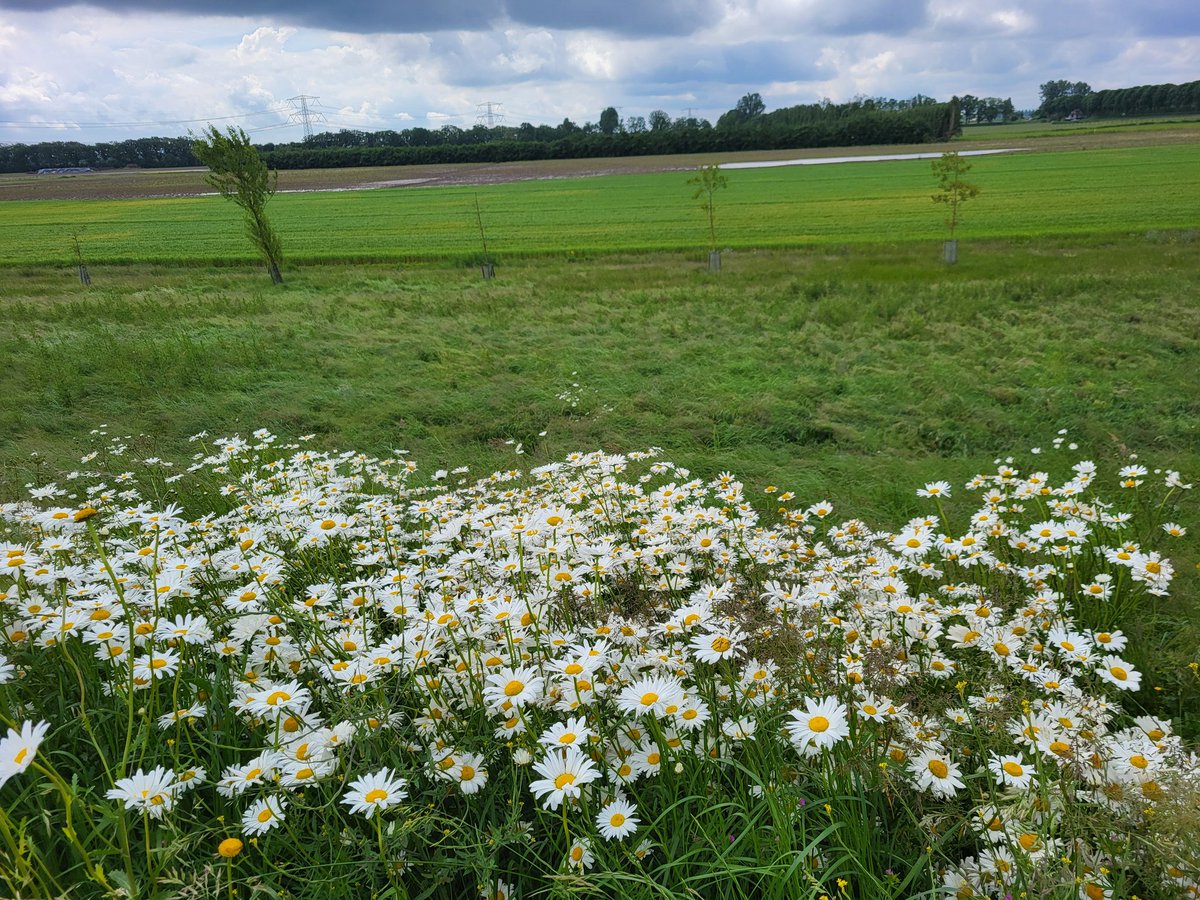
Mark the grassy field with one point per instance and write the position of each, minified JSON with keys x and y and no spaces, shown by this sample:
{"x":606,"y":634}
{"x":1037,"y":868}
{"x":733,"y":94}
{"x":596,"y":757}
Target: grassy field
{"x":1114,"y":191}
{"x":1083,"y":129}
{"x":853,"y":375}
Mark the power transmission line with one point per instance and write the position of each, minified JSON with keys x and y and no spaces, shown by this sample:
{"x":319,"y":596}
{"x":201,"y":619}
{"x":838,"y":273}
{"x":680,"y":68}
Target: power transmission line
{"x":302,"y":114}
{"x":488,"y":113}
{"x":40,"y":124}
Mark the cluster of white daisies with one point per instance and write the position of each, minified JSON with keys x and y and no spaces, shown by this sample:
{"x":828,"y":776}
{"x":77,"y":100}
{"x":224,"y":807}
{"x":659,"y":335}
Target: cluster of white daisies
{"x":590,"y":629}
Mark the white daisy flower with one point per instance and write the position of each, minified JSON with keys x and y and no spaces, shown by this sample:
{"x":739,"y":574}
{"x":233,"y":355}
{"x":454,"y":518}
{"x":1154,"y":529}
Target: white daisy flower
{"x":150,"y":792}
{"x":18,"y":748}
{"x":375,"y":793}
{"x":563,"y":774}
{"x":820,"y":725}
{"x":263,"y":815}
{"x":617,"y":820}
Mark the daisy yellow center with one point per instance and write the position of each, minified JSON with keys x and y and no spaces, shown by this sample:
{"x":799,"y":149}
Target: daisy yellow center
{"x":818,"y":724}
{"x":689,"y":714}
{"x":21,"y":754}
{"x":939,"y":768}
{"x":913,"y":542}
{"x":513,"y":688}
{"x":305,"y":773}
{"x":327,"y":524}
{"x":278,"y":697}
{"x":1060,"y":748}
{"x":1139,"y":761}
{"x":617,"y":820}
{"x":653,"y":759}
{"x":869,"y":709}
{"x":563,"y":780}
{"x":467,"y":773}
{"x":649,"y":698}
{"x":574,"y":669}
{"x":721,"y":644}
{"x":157,"y":800}
{"x":568,"y":737}
{"x":1028,"y":840}
{"x":1119,"y":673}
{"x":376,"y":796}
{"x":577,"y":853}
{"x":266,"y":815}
{"x":252,"y":774}
{"x":1000,"y":648}
{"x":1153,"y":568}
{"x":1094,"y":891}
{"x":157,"y":663}
{"x":1014,"y":769}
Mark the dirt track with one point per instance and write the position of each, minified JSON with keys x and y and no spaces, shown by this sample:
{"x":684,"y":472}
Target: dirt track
{"x":131,"y":184}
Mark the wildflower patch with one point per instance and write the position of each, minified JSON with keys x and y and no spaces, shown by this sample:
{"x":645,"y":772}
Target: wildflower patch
{"x":603,"y":668}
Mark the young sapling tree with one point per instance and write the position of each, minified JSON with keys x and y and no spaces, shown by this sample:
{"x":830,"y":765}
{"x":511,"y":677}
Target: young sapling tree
{"x":239,"y":174}
{"x":707,"y":182}
{"x":487,"y":267}
{"x":953,"y":191}
{"x":84,"y":278}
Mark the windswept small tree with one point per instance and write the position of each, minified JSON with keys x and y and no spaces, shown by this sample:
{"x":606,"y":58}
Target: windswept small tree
{"x":949,"y":170}
{"x":707,"y":182}
{"x":239,"y":174}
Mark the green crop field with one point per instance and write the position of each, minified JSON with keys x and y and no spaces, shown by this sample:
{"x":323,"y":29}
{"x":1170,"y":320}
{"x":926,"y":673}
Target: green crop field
{"x":1082,"y":128}
{"x":1129,"y":190}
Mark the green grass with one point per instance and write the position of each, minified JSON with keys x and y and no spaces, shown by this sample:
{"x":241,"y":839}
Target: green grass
{"x":1114,"y":191}
{"x":851,"y":372}
{"x":1039,"y":128}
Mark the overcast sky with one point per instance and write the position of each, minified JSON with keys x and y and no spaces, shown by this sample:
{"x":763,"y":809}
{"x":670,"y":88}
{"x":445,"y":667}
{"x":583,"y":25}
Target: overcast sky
{"x":122,"y":68}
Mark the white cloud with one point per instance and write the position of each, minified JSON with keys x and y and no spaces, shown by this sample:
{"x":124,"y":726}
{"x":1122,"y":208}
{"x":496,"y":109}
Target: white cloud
{"x":162,"y":72}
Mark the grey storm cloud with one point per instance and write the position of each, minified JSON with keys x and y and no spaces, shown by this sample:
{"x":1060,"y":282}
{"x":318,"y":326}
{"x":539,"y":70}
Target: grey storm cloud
{"x":883,"y":16}
{"x":756,"y":62}
{"x":664,"y":17}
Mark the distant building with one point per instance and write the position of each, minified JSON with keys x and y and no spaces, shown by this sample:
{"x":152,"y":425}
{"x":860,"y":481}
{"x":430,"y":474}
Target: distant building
{"x":1075,"y":116}
{"x":66,"y":170}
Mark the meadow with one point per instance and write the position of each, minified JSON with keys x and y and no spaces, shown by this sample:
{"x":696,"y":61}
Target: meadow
{"x":1026,"y":195}
{"x":901,"y":604}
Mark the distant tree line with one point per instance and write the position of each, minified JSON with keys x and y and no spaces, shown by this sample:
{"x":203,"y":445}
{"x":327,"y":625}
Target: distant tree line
{"x":145,"y":153}
{"x":986,"y":110}
{"x":1062,"y":98}
{"x":746,"y":127}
